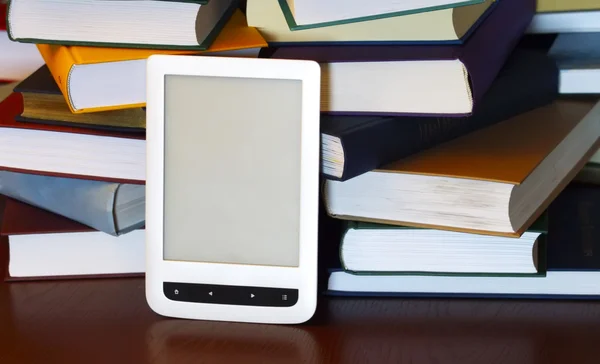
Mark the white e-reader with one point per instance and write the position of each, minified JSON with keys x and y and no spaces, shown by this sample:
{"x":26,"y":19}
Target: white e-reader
{"x":232,"y":188}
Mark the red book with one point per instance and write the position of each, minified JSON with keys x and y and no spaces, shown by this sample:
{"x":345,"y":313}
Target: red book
{"x":37,"y":244}
{"x":3,"y":16}
{"x":68,"y":151}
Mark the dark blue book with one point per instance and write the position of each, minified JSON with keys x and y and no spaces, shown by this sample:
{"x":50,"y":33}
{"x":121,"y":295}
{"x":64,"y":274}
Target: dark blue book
{"x":574,"y":229}
{"x":353,"y":145}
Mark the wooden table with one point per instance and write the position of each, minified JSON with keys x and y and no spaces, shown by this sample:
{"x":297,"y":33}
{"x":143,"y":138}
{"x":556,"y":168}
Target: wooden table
{"x":108,"y":321}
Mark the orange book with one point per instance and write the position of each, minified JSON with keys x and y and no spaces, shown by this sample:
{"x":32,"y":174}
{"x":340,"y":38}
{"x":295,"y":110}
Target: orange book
{"x":100,"y":79}
{"x":494,"y":181}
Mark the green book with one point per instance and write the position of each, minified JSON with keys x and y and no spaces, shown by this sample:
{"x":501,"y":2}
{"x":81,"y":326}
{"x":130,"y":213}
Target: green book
{"x":306,"y":14}
{"x":165,"y":24}
{"x":377,"y":249}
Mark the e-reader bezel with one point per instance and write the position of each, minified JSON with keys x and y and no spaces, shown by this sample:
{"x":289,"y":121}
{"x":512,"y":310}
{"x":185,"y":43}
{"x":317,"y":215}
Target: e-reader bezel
{"x":158,"y":271}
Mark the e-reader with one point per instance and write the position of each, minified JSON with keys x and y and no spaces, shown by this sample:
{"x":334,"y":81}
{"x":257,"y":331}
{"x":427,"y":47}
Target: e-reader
{"x":232,"y":184}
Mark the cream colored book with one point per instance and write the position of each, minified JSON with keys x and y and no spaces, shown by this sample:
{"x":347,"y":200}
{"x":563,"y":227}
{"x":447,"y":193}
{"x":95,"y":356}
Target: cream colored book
{"x":440,"y":25}
{"x":550,"y":6}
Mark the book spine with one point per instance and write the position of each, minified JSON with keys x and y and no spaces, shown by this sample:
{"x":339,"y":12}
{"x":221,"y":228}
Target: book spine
{"x":87,"y":202}
{"x":60,"y":62}
{"x":528,"y":81}
{"x":505,"y":29}
{"x":574,"y":229}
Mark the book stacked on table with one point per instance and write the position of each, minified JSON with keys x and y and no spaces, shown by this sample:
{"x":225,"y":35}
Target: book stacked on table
{"x":449,"y":146}
{"x":72,"y":133}
{"x":444,"y":144}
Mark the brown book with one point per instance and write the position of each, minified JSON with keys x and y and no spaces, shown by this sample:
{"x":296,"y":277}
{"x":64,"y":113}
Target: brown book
{"x":66,"y":151}
{"x":494,"y":181}
{"x":60,"y":247}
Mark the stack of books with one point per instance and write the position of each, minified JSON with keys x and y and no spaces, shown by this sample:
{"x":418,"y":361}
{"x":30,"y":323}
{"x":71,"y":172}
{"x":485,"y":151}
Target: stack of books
{"x":446,"y":146}
{"x":72,"y":133}
{"x":453,"y":154}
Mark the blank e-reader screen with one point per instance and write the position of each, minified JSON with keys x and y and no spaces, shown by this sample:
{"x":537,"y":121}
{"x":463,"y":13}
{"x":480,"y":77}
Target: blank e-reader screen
{"x":232,"y":170}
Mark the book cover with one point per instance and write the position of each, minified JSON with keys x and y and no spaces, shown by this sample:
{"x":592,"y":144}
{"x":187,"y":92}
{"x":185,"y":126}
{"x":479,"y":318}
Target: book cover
{"x":291,"y":21}
{"x":213,"y":16}
{"x":551,"y":6}
{"x":574,"y":239}
{"x":504,"y":153}
{"x":440,"y":27}
{"x":528,"y":80}
{"x":483,"y":54}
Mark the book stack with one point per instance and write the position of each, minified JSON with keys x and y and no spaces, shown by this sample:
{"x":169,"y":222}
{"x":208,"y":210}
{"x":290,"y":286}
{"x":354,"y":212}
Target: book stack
{"x":445,"y":146}
{"x":453,"y":153}
{"x":72,"y":131}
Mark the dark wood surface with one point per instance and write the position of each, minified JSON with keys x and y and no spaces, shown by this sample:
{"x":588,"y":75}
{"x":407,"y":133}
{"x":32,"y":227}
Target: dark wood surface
{"x":108,"y":321}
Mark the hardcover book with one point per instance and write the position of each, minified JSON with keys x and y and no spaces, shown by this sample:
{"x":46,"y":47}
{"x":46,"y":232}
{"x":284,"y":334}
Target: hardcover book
{"x":494,"y":181}
{"x":353,"y":145}
{"x":39,"y":245}
{"x":421,"y":80}
{"x":452,"y":25}
{"x":125,"y":23}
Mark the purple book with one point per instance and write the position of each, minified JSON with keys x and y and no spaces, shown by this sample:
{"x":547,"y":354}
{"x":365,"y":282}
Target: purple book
{"x":483,"y":55}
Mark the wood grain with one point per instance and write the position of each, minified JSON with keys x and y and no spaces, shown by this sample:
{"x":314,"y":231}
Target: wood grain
{"x":108,"y":321}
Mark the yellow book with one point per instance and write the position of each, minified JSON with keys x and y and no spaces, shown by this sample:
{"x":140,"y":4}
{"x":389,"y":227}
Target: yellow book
{"x":99,"y":79}
{"x":439,"y":25}
{"x":551,"y":6}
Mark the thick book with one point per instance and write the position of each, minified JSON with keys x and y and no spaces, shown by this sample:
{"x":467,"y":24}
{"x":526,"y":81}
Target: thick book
{"x":578,"y":57}
{"x":353,"y":145}
{"x":43,"y":103}
{"x":40,"y":245}
{"x":303,"y":14}
{"x":68,"y":151}
{"x":124,"y":23}
{"x":100,"y":79}
{"x":573,"y":267}
{"x":418,"y":80}
{"x":113,"y":208}
{"x":441,"y":26}
{"x":496,"y":181}
{"x":376,"y":249}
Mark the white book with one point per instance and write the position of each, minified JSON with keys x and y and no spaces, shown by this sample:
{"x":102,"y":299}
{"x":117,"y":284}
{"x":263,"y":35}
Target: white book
{"x":565,"y":22}
{"x":568,"y":283}
{"x":76,"y":254}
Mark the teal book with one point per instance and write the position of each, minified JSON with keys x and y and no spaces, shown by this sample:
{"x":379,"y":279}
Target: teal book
{"x":377,"y":249}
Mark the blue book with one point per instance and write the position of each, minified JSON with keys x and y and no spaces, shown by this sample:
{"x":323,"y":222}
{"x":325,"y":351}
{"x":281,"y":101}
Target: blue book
{"x":114,"y":208}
